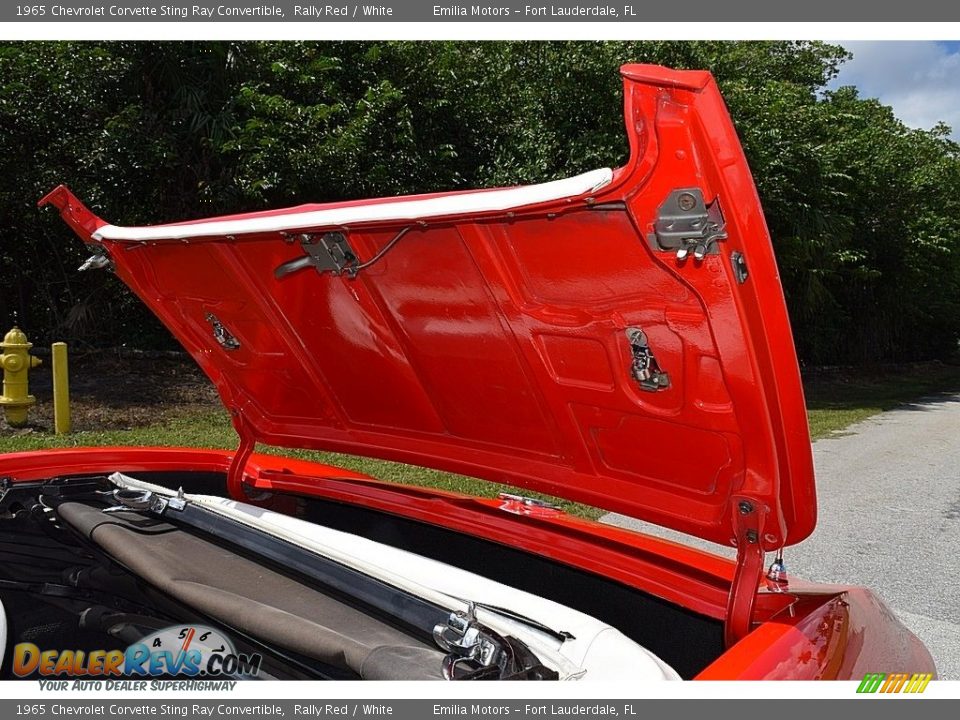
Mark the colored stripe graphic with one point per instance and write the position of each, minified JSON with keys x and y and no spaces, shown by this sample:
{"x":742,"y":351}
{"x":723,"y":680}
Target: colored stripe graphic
{"x":919,"y":682}
{"x":894,"y":683}
{"x":871,"y":682}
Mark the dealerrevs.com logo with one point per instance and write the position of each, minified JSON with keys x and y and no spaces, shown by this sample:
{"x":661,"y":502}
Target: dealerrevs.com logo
{"x":894,"y":683}
{"x":176,"y":651}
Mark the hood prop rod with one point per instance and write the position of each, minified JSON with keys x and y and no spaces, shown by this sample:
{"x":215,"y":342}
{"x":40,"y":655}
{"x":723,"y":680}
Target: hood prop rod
{"x":748,"y":520}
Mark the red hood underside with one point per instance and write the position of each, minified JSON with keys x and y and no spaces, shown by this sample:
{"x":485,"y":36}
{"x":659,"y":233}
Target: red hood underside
{"x":496,"y":342}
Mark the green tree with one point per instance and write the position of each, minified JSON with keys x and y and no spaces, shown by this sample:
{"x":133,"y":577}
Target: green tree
{"x":862,"y":210}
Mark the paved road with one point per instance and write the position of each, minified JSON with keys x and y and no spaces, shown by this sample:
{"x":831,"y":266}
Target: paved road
{"x":889,"y":500}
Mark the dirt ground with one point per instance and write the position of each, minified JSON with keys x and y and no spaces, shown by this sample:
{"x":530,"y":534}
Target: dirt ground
{"x":114,"y":391}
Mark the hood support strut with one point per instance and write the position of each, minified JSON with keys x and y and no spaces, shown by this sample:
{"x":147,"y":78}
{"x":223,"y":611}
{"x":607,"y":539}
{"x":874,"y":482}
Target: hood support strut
{"x":748,"y":520}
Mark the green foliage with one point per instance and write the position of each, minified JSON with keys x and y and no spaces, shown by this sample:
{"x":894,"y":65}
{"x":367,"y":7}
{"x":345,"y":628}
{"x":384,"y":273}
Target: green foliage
{"x":863,"y":211}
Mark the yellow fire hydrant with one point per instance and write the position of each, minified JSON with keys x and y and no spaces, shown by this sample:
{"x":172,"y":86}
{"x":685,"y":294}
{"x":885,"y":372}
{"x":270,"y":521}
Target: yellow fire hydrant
{"x":17,"y":362}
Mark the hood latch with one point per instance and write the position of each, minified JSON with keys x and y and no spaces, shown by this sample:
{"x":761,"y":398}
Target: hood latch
{"x":645,"y":369}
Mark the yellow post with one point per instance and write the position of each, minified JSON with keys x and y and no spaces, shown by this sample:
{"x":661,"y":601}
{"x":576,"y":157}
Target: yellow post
{"x":61,"y":389}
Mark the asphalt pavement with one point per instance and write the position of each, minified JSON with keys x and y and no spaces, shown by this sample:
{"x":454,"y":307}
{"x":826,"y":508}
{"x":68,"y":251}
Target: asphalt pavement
{"x":889,"y":519}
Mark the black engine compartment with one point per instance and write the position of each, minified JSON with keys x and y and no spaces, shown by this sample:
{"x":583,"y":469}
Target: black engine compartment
{"x":61,"y":591}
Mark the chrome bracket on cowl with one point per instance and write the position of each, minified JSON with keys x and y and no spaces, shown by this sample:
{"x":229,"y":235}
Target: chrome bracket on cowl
{"x":687,"y":225}
{"x":749,"y":517}
{"x":475,"y":652}
{"x":466,"y":642}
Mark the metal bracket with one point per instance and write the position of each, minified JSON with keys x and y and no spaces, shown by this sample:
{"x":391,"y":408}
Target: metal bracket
{"x":329,"y":253}
{"x":223,"y":336}
{"x":749,"y":517}
{"x":466,"y":640}
{"x":145,"y":500}
{"x":685,"y":224}
{"x":645,"y":369}
{"x":177,"y":502}
{"x":739,"y":263}
{"x":473,"y":649}
{"x":777,"y":578}
{"x":98,"y":261}
{"x":523,"y":505}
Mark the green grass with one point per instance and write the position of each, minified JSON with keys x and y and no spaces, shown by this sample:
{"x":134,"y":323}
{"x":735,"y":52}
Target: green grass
{"x":839,"y":399}
{"x":834,"y":402}
{"x":212,"y":429}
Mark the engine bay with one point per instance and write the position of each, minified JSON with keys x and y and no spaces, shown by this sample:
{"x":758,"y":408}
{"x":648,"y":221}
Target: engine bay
{"x":106,"y":561}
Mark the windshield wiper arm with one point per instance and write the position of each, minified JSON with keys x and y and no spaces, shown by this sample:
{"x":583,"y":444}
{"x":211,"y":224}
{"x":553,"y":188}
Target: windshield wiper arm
{"x":561,"y":635}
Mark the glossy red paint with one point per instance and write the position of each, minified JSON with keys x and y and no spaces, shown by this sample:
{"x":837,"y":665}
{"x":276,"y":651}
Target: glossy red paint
{"x":494,"y":344}
{"x":808,"y":632}
{"x":830,"y":633}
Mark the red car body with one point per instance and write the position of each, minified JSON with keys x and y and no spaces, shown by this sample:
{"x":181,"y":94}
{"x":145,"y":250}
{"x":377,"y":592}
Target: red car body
{"x":625,"y":345}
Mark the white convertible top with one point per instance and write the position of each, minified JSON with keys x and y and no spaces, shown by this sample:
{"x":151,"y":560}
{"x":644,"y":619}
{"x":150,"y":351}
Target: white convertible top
{"x":594,"y":650}
{"x":386,"y":209}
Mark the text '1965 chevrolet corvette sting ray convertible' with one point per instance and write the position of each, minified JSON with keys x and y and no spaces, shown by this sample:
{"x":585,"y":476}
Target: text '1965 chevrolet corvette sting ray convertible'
{"x":618,"y":339}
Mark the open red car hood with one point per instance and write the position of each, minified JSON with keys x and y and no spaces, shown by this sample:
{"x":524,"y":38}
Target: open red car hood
{"x":618,"y":338}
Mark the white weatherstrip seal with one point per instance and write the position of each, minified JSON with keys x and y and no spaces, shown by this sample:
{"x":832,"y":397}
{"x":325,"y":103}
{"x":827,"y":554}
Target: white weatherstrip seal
{"x":597,"y":652}
{"x":412,"y":209}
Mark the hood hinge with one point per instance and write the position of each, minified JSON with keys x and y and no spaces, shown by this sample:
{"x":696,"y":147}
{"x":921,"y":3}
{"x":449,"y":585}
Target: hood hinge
{"x":235,"y":485}
{"x":749,"y":516}
{"x":686,"y":224}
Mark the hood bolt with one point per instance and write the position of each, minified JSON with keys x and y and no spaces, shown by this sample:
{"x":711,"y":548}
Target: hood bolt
{"x":687,"y":202}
